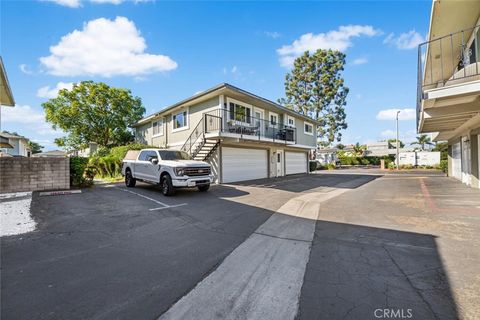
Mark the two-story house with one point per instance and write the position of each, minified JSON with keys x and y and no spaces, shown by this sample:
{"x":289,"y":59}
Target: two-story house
{"x":17,"y":145}
{"x":449,"y":85}
{"x":243,"y":136}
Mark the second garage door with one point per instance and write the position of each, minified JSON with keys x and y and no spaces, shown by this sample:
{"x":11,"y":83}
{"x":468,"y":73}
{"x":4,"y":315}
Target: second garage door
{"x":239,"y":164}
{"x":295,"y":162}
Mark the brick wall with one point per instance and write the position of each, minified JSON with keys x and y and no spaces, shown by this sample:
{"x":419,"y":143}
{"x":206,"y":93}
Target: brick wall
{"x":30,"y":174}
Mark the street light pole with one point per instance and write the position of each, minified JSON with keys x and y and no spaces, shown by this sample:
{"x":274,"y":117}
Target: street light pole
{"x":398,"y":158}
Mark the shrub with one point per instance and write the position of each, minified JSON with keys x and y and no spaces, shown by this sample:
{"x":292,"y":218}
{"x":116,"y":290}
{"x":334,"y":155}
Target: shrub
{"x":364,"y":161}
{"x":406,"y":166}
{"x":331,"y":166}
{"x":390,"y":165}
{"x":78,"y":175}
{"x":108,"y":162}
{"x":444,"y":166}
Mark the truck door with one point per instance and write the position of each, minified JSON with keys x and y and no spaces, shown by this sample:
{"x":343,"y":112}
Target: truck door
{"x":140,"y":165}
{"x":151,"y":167}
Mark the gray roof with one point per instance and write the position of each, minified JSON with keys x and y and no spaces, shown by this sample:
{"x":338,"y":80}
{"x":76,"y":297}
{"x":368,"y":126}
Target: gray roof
{"x":11,"y":136}
{"x":218,"y":87}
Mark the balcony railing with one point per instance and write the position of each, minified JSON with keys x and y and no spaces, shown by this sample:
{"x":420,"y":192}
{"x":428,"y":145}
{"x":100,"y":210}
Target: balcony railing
{"x":246,"y":126}
{"x":448,"y":60}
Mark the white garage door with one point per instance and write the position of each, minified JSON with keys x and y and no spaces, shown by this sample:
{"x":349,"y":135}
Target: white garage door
{"x":239,"y":164}
{"x":295,"y":162}
{"x":457,"y":160}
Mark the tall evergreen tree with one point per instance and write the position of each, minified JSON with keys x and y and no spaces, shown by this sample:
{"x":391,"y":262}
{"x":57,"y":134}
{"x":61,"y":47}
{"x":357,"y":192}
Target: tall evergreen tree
{"x":315,"y":87}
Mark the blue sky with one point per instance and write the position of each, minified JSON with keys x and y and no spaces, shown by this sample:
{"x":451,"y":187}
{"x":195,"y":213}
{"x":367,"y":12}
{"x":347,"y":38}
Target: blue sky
{"x":167,"y":51}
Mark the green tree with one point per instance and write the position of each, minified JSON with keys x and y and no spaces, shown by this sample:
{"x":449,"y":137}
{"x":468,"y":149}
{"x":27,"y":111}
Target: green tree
{"x":93,"y":112}
{"x":340,"y":146}
{"x":35,"y":147}
{"x":392,"y":143}
{"x":315,"y":87}
{"x":443,"y":148}
{"x":422,"y":140}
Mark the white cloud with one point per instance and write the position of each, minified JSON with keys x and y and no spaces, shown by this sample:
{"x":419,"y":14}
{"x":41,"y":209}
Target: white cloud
{"x":22,"y":114}
{"x":26,"y":116}
{"x":50,"y":93}
{"x":273,"y":35}
{"x":107,"y":1}
{"x":104,"y":48}
{"x":391,"y":114}
{"x":359,"y":61}
{"x":78,"y":3}
{"x":24,"y":68}
{"x":340,"y":39}
{"x":66,"y":3}
{"x":388,"y":134}
{"x":234,"y":69}
{"x":404,"y":136}
{"x":406,"y":40}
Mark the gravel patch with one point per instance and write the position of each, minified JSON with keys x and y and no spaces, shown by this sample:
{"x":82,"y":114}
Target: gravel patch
{"x":15,"y":213}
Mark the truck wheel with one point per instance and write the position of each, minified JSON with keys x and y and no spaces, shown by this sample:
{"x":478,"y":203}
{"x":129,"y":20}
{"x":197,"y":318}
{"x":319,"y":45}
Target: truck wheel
{"x":167,"y":186}
{"x":204,"y":188}
{"x":130,"y":181}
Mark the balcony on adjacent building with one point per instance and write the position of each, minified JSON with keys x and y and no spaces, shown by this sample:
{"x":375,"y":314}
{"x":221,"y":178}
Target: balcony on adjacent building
{"x":448,"y":80}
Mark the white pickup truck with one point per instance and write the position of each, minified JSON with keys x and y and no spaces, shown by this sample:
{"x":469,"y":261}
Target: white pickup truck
{"x":168,"y":168}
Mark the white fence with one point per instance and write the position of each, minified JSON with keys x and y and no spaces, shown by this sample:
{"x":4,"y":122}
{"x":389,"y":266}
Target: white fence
{"x":420,"y":158}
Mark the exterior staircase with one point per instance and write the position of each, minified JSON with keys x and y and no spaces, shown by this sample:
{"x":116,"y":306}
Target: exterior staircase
{"x":197,"y":145}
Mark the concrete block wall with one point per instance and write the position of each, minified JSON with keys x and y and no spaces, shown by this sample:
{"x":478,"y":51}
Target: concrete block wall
{"x":32,"y":174}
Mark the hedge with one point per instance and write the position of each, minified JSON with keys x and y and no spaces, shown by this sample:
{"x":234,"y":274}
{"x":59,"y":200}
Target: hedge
{"x":444,"y":166}
{"x":348,"y":161}
{"x":80,"y":174}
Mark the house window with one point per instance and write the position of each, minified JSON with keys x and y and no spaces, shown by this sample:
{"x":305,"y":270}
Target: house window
{"x":239,"y":113}
{"x":180,"y":120}
{"x":273,"y":119}
{"x":290,"y":121}
{"x":308,"y":128}
{"x":158,"y":128}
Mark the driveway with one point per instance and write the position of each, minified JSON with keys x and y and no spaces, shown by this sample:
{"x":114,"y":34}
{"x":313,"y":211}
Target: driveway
{"x":319,"y":246}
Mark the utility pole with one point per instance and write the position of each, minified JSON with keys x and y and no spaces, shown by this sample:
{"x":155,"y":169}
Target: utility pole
{"x":398,"y":157}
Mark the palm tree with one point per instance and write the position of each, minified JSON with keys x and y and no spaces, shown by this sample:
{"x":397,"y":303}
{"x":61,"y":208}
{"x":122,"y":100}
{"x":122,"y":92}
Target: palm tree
{"x":422,"y":140}
{"x":359,"y":149}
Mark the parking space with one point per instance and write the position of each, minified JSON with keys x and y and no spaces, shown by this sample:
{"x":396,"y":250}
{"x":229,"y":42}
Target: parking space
{"x":117,"y":253}
{"x":366,"y":240}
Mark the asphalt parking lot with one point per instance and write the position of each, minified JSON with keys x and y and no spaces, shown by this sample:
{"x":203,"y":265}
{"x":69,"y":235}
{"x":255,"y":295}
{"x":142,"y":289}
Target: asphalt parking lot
{"x":406,"y":241}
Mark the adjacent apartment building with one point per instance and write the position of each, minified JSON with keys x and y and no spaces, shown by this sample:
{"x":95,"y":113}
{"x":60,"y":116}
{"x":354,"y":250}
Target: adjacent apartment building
{"x":243,"y":136}
{"x":448,"y":101}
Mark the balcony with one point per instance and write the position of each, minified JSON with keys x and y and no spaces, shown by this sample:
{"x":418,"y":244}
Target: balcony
{"x":227,"y":123}
{"x":448,"y":76}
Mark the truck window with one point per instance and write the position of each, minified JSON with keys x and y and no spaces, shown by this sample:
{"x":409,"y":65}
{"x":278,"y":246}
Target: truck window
{"x":174,"y":155}
{"x":143,"y":156}
{"x":151,"y":155}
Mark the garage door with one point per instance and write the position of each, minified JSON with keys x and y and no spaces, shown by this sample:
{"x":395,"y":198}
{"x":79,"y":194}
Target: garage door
{"x":295,"y":162}
{"x":239,"y":164}
{"x":457,"y":160}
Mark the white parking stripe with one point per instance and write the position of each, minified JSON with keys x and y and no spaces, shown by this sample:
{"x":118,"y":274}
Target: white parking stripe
{"x":175,"y":205}
{"x":163,"y":205}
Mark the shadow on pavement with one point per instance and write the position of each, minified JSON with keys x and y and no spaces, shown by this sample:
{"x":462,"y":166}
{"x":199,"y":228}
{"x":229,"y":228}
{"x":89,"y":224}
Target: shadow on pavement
{"x":102,"y":254}
{"x":309,"y":182}
{"x":358,"y":272}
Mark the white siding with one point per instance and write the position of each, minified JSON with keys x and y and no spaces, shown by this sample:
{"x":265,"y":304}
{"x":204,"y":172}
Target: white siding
{"x":457,"y":160}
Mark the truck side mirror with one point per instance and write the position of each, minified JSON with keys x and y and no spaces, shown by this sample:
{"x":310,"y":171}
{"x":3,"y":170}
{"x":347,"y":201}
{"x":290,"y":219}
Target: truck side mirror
{"x":154,"y":160}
